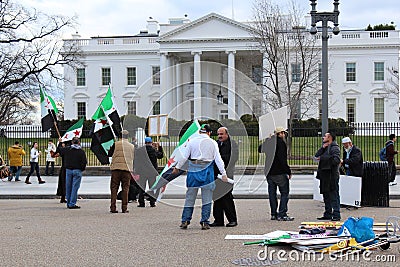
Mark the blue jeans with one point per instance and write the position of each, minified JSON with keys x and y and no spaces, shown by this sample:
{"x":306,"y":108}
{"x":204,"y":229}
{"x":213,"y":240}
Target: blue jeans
{"x":17,"y":170}
{"x":72,"y":183}
{"x":281,"y":181}
{"x":206,"y":199}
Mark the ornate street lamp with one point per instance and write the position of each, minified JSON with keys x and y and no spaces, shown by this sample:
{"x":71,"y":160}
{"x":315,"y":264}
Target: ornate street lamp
{"x":220,"y":97}
{"x":324,"y":17}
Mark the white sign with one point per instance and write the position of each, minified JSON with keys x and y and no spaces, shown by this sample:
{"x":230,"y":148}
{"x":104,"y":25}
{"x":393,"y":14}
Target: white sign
{"x":270,"y":121}
{"x":349,"y":190}
{"x":158,"y":125}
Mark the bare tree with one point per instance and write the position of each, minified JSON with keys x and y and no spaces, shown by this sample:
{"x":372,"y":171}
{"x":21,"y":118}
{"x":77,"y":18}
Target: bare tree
{"x":30,"y":46}
{"x":290,"y":59}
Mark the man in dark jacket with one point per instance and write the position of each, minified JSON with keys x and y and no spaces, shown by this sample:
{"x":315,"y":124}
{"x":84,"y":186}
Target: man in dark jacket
{"x":328,"y":174}
{"x":222,"y":195}
{"x":352,"y":160}
{"x":390,"y":152}
{"x":146,"y":167}
{"x":278,"y":173}
{"x":75,"y":164}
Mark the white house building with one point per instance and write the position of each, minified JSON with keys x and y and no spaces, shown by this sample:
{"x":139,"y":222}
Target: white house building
{"x":209,"y":68}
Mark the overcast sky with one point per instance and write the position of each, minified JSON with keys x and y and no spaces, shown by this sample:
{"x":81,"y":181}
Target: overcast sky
{"x":128,"y":17}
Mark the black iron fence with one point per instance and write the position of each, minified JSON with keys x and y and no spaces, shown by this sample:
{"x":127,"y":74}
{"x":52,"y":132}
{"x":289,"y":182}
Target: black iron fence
{"x":369,"y":137}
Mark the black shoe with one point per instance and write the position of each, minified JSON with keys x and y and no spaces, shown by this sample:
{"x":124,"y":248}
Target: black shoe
{"x":335,"y":219}
{"x":141,"y":205}
{"x":152,"y":205}
{"x":17,"y":180}
{"x":114,"y":211}
{"x":184,"y":225}
{"x":215,"y":224}
{"x":204,"y":226}
{"x":125,"y":211}
{"x":74,"y":207}
{"x":231,"y":224}
{"x":42,"y":182}
{"x":273,"y":217}
{"x":324,"y":218}
{"x":285,"y":218}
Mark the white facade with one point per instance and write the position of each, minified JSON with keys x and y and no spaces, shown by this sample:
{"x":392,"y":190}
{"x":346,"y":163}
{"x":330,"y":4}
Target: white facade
{"x":198,"y":60}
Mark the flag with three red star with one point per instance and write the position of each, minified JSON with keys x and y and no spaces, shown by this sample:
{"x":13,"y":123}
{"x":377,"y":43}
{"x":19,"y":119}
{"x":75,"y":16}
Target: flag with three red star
{"x":73,"y":131}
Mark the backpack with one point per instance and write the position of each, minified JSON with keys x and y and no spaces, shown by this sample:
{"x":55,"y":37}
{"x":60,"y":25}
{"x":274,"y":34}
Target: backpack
{"x":382,"y":153}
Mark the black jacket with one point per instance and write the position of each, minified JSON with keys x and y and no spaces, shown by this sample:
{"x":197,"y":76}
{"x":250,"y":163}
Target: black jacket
{"x":355,"y":161}
{"x":277,"y":163}
{"x":74,"y":158}
{"x":328,"y":167}
{"x":229,"y":152}
{"x":145,"y":160}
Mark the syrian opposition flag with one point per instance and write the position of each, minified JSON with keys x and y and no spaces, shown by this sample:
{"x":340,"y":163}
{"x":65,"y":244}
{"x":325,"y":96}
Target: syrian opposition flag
{"x":74,"y":131}
{"x":48,"y":110}
{"x":107,"y":126}
{"x":165,"y":176}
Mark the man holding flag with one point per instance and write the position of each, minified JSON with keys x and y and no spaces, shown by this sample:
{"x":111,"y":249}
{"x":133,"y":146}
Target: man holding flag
{"x":48,"y":111}
{"x":202,"y":152}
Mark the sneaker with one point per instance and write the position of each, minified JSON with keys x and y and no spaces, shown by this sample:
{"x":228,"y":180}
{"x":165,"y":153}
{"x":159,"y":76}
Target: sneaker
{"x":285,"y":218}
{"x":392,"y":183}
{"x":204,"y":226}
{"x":184,"y":225}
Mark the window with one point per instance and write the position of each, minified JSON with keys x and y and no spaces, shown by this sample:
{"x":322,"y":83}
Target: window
{"x":256,"y":103}
{"x":156,"y":107}
{"x":351,"y":109}
{"x":379,"y":71}
{"x":296,"y":69}
{"x":297,"y":111}
{"x":350,"y":72}
{"x":256,"y":74}
{"x":191,"y":109}
{"x":105,"y":76}
{"x":80,"y":77}
{"x":131,"y":107}
{"x":131,"y":76}
{"x":224,"y":78}
{"x":320,"y":72}
{"x":223,"y":114}
{"x":191,"y":75}
{"x":81,"y":109}
{"x":379,"y":110}
{"x":156,"y":75}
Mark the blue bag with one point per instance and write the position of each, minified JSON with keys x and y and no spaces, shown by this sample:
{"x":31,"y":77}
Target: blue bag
{"x":359,"y":228}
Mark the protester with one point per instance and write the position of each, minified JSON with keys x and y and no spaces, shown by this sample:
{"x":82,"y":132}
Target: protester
{"x":15,"y":154}
{"x":50,"y":158}
{"x":278,"y":173}
{"x":223,"y":198}
{"x":203,"y":152}
{"x":352,"y":158}
{"x":146,"y":167}
{"x":34,"y":162}
{"x":61,"y":191}
{"x":390,"y":152}
{"x":328,"y":174}
{"x":75,"y":164}
{"x":4,"y":171}
{"x":121,"y":167}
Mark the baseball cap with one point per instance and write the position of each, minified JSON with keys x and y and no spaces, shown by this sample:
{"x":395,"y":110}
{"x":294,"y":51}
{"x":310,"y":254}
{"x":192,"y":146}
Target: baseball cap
{"x":148,"y":140}
{"x":346,"y":140}
{"x":205,"y":128}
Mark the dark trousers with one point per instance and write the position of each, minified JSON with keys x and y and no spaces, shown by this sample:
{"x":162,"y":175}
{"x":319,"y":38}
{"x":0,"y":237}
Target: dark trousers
{"x":225,"y":205}
{"x":119,"y":177}
{"x":332,"y":202}
{"x":280,"y":181}
{"x":34,"y":167}
{"x":142,"y":187}
{"x":46,"y":172}
{"x":392,"y":171}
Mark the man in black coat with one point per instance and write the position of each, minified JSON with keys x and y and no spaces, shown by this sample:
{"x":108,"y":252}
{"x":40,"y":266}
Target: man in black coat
{"x":222,"y":195}
{"x":278,"y":173}
{"x":328,"y":175}
{"x":352,"y":160}
{"x":146,"y":167}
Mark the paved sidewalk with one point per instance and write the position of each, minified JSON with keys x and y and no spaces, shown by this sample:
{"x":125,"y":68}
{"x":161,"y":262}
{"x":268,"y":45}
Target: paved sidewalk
{"x":246,"y":186}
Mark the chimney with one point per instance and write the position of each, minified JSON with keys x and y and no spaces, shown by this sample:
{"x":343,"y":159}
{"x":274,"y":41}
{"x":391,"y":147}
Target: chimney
{"x":152,"y":26}
{"x":76,"y":35}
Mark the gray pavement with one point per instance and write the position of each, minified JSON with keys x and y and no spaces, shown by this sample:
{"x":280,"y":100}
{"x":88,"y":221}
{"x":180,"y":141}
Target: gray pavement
{"x":246,"y":186}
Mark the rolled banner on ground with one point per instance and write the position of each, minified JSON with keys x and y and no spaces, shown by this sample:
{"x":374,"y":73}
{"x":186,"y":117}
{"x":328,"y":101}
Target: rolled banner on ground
{"x":231,"y":181}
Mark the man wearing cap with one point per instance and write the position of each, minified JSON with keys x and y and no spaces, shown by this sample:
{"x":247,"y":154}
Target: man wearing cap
{"x":352,"y":158}
{"x":278,"y":173}
{"x":328,"y":174}
{"x":202,"y":152}
{"x":146,"y":167}
{"x":121,"y":166}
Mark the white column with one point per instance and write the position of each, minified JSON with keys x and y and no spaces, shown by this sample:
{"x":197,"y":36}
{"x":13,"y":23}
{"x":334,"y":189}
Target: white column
{"x":170,"y":85}
{"x":197,"y":84}
{"x":179,"y":92}
{"x":163,"y":83}
{"x":231,"y":85}
{"x":264,"y":105}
